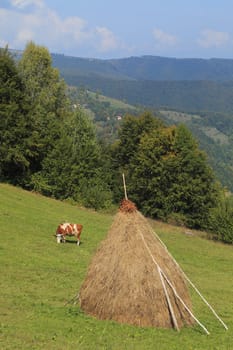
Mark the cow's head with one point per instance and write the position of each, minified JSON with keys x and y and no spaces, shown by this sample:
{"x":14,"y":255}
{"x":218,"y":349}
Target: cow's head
{"x":60,"y":238}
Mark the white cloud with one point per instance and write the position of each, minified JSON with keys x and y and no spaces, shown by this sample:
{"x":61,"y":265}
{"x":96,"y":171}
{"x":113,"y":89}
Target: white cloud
{"x":210,"y":38}
{"x":74,"y":28}
{"x":3,"y":43}
{"x":24,"y":36}
{"x":164,"y":39}
{"x":24,"y":3}
{"x":107,"y":40}
{"x":45,"y":27}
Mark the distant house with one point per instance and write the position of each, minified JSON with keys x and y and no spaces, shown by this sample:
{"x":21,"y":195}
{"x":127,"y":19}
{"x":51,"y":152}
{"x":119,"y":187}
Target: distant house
{"x":76,"y":105}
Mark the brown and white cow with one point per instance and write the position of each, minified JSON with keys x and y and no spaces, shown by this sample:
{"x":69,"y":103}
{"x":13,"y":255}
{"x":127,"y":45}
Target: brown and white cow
{"x":68,"y":229}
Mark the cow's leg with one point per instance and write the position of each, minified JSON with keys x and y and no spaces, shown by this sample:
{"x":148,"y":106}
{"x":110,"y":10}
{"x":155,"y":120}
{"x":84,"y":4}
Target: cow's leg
{"x":63,"y":239}
{"x":78,"y":238}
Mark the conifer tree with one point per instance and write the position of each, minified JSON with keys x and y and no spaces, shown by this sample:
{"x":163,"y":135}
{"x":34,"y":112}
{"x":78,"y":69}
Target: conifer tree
{"x":14,"y":122}
{"x":74,"y":168}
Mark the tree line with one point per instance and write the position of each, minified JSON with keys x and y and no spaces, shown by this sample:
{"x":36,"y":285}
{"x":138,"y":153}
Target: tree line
{"x":50,"y":146}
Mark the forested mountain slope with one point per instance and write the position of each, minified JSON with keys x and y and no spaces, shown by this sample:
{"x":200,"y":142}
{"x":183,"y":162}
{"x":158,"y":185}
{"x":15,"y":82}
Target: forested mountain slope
{"x":190,"y":85}
{"x":214,"y":131}
{"x":187,"y":87}
{"x":184,"y":84}
{"x":148,"y":68}
{"x":190,"y":96}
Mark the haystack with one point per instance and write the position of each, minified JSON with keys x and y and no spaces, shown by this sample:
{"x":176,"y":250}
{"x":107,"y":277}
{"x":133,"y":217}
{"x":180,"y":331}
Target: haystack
{"x":133,"y":279}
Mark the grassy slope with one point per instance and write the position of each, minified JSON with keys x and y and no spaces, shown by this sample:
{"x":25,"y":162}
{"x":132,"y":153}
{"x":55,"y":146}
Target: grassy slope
{"x":39,"y":277}
{"x":113,"y":101}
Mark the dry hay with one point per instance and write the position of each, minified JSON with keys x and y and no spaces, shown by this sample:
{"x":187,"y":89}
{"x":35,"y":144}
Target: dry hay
{"x":127,"y":206}
{"x":123,"y":282}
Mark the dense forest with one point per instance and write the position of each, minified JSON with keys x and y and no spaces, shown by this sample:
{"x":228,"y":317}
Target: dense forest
{"x":189,"y":85}
{"x":189,"y":96}
{"x":49,"y":144}
{"x":148,"y":68}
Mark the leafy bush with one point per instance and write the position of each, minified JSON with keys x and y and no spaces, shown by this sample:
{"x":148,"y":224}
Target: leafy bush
{"x":177,"y":219}
{"x":94,"y":194}
{"x":39,"y":184}
{"x":221,"y":222}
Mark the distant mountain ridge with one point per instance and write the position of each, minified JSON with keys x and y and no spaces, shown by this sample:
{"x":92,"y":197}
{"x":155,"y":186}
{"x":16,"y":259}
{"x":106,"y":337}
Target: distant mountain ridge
{"x":146,"y":67}
{"x":149,"y":68}
{"x":190,"y":85}
{"x":163,"y":68}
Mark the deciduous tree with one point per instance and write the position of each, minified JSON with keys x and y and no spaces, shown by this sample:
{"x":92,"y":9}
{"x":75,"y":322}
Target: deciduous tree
{"x":46,"y":95}
{"x":167,"y":175}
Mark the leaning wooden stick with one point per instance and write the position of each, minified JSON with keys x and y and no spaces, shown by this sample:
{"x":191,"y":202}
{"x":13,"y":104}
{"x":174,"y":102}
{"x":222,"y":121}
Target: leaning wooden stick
{"x":126,"y":197}
{"x":74,"y":300}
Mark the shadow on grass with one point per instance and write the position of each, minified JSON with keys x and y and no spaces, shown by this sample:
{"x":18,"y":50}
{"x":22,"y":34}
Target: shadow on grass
{"x":70,"y":241}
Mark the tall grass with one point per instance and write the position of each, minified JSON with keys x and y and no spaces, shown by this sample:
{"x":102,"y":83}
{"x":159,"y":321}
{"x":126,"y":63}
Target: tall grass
{"x":39,"y":279}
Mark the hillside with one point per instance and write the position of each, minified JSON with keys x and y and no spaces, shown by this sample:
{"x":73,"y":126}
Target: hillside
{"x":185,"y":84}
{"x":189,"y":96}
{"x":148,"y":68}
{"x":41,"y":280}
{"x":189,"y":85}
{"x":212,"y":130}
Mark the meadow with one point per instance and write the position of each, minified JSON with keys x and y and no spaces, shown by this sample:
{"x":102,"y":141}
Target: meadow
{"x":40,"y":281}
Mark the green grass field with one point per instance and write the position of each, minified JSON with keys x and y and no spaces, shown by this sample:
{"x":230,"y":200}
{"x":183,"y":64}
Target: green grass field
{"x":39,"y":279}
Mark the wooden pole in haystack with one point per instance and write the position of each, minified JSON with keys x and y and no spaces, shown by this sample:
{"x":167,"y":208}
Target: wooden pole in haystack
{"x":126,"y":197}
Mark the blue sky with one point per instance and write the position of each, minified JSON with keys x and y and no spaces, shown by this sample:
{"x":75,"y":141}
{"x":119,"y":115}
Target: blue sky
{"x":121,"y":28}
